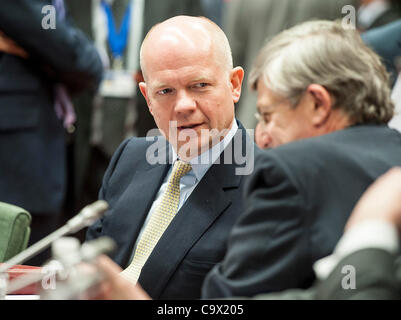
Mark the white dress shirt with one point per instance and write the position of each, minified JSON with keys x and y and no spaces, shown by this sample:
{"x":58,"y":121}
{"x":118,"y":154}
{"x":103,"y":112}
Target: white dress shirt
{"x":369,"y":234}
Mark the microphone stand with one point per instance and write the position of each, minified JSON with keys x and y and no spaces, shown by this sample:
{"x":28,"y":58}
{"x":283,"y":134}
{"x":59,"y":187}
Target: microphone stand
{"x":88,"y":252}
{"x":84,"y":218}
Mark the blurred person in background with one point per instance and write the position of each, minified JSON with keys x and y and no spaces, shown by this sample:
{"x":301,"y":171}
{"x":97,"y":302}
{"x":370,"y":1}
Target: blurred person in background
{"x":43,"y":60}
{"x":375,"y":13}
{"x":386,"y":41}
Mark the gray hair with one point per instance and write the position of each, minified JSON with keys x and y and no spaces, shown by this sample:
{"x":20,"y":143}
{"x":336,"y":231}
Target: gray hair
{"x":325,"y":53}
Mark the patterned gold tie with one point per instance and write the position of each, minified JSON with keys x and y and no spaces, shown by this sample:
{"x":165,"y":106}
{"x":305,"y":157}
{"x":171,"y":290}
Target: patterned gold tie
{"x":158,"y":222}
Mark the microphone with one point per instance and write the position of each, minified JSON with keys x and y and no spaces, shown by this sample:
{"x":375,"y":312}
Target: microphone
{"x":67,"y":254}
{"x":81,"y":281}
{"x":87,"y":216}
{"x":91,"y":249}
{"x":84,"y":218}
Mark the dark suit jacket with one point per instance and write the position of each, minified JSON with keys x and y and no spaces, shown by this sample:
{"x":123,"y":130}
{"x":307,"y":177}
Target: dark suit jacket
{"x":386,"y":42}
{"x":32,"y":150}
{"x":376,"y":273}
{"x":297,"y":203}
{"x":196,"y":238}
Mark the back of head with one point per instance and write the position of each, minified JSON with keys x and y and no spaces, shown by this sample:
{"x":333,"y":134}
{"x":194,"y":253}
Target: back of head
{"x":325,"y":53}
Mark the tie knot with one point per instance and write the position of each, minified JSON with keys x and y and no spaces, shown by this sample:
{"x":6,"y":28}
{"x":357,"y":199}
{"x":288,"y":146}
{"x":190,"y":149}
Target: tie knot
{"x":180,"y":169}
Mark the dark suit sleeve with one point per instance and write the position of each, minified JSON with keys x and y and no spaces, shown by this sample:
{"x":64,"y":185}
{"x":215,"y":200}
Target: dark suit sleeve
{"x":375,"y":277}
{"x":65,"y":53}
{"x":267,"y":248}
{"x":95,"y":230}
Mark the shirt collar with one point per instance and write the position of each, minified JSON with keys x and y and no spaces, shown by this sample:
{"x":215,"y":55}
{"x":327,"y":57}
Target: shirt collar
{"x":201,"y":164}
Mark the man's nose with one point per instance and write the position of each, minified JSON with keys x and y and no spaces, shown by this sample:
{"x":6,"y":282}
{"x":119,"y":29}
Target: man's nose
{"x":185,"y":103}
{"x":266,"y":140}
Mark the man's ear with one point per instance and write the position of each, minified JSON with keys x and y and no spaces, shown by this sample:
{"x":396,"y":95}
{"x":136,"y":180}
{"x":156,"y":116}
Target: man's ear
{"x":236,"y":78}
{"x":143,"y":88}
{"x":322,"y":103}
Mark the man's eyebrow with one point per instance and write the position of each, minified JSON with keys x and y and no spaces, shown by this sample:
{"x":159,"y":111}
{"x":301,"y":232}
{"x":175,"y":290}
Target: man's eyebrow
{"x":264,"y":108}
{"x":201,"y":79}
{"x":159,"y":85}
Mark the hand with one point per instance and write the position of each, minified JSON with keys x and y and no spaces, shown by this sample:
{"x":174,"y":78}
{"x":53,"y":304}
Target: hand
{"x":115,"y":287}
{"x":382,"y":200}
{"x":9,"y":46}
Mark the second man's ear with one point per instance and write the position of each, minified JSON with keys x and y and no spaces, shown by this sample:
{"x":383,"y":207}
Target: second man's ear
{"x":322,"y":101}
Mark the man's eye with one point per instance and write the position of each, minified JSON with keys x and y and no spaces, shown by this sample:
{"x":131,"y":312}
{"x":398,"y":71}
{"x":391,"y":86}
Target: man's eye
{"x":201,"y":85}
{"x":266,"y":117}
{"x":164,"y":91}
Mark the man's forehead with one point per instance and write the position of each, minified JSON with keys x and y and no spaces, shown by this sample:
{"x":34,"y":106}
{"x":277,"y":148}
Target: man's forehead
{"x":175,"y":54}
{"x":267,"y":100}
{"x":184,"y":36}
{"x":184,"y":32}
{"x":184,"y":39}
{"x":263,"y":93}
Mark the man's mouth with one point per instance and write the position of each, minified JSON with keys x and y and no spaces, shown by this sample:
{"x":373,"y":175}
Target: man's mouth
{"x":189,"y":126}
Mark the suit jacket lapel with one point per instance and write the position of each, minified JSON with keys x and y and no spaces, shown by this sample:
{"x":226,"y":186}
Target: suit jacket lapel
{"x":200,"y":210}
{"x":131,"y":210}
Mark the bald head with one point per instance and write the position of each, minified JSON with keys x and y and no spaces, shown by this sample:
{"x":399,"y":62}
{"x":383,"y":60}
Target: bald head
{"x":181,"y":36}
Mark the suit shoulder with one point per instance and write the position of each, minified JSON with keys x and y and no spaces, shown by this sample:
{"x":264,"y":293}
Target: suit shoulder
{"x":130,"y":156}
{"x":134,"y":148}
{"x":326,"y":154}
{"x":346,"y":141}
{"x":135,"y":143}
